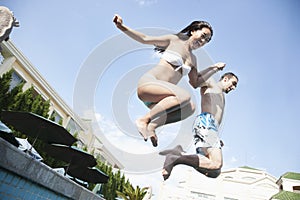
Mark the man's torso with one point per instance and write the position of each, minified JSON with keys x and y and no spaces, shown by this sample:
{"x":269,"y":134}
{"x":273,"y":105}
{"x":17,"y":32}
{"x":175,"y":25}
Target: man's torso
{"x":213,"y":102}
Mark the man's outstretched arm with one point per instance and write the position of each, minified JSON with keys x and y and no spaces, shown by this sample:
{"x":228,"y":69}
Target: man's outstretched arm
{"x":205,"y":74}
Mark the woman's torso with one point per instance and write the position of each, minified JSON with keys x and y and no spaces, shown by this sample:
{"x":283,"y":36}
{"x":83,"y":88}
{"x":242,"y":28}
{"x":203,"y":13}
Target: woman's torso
{"x":166,"y":71}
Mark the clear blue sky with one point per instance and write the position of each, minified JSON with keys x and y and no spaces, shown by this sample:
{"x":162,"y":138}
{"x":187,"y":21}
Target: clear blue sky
{"x":257,"y":39}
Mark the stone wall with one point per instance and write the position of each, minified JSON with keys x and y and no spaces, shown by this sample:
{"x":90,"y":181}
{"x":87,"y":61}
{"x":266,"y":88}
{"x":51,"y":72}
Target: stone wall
{"x":22,"y":177}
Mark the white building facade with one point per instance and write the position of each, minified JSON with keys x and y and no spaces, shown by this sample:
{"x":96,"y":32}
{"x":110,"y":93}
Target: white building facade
{"x":234,"y":184}
{"x":289,"y":185}
{"x":24,"y":71}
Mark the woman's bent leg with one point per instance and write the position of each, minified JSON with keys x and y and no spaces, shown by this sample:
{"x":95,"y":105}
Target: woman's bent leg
{"x":168,"y":98}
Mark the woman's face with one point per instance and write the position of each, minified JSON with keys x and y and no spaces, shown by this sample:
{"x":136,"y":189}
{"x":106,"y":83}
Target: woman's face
{"x":200,"y":37}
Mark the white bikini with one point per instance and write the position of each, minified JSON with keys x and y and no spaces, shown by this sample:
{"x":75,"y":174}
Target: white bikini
{"x":176,"y":60}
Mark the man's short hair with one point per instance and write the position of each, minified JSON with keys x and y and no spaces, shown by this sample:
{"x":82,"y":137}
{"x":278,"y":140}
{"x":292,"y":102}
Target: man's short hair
{"x":229,"y":75}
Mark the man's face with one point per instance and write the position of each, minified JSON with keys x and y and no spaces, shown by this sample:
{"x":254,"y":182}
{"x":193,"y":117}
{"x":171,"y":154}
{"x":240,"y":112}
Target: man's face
{"x":229,"y":84}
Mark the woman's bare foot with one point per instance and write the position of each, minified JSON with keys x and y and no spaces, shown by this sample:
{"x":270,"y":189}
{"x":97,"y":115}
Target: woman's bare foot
{"x":142,"y":128}
{"x":152,"y":135}
{"x":154,"y":140}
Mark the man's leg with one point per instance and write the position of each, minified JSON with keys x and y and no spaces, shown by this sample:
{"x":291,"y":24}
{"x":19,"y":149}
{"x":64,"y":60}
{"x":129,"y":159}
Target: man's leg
{"x":172,"y":160}
{"x":209,"y":173}
{"x":212,"y":162}
{"x":212,"y":173}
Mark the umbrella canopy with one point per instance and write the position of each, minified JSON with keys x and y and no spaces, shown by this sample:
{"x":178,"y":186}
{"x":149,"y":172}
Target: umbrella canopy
{"x":90,"y":175}
{"x":62,"y":171}
{"x":38,"y":127}
{"x":71,"y":155}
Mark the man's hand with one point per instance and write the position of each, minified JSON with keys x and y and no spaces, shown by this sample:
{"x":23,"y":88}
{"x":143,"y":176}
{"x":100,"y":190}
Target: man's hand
{"x":219,"y":66}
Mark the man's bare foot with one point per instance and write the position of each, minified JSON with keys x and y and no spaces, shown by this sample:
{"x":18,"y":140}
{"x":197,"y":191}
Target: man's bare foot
{"x":142,"y":128}
{"x":165,"y":174}
{"x":168,"y":165}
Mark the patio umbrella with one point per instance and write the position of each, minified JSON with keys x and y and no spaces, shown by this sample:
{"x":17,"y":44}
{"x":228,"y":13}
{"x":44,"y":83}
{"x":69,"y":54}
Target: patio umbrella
{"x":70,"y":155}
{"x":38,"y":127}
{"x":62,"y":171}
{"x":90,"y":175}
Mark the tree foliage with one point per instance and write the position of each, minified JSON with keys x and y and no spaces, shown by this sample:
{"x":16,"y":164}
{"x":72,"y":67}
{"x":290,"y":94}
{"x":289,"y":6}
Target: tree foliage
{"x":15,"y":99}
{"x":118,"y":185}
{"x":131,"y":193}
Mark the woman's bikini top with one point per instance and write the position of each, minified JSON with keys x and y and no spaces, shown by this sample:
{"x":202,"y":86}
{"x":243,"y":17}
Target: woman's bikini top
{"x":175,"y":59}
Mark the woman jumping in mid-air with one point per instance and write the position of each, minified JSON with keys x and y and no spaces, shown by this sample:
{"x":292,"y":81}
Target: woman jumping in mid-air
{"x":158,"y":87}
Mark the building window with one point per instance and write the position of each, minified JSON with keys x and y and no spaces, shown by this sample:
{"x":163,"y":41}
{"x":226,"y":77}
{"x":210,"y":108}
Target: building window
{"x":1,"y":58}
{"x":16,"y":80}
{"x":73,"y":127}
{"x":228,"y":198}
{"x":203,"y":196}
{"x":296,"y":189}
{"x":56,"y":117}
{"x":35,"y":93}
{"x":249,"y":178}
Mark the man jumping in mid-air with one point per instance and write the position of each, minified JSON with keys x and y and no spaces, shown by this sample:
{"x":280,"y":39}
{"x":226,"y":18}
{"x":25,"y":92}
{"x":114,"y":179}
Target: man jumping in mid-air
{"x":208,"y":158}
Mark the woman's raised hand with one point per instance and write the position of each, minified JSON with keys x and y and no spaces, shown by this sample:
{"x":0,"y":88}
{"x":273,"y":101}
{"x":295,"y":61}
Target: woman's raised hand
{"x":117,"y":20}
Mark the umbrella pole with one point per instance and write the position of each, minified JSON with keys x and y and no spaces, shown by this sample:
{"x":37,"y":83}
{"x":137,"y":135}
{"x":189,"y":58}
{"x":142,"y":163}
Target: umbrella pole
{"x":37,"y":135}
{"x":31,"y":147}
{"x":67,"y":169}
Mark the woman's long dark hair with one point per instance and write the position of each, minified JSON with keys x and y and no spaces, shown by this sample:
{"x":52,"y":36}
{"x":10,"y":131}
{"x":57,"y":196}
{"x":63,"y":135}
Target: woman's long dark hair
{"x":194,"y":26}
{"x":187,"y":32}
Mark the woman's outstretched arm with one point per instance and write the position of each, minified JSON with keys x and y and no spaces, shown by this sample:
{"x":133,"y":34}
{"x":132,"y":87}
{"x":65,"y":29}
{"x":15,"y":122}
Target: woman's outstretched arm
{"x":141,"y":37}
